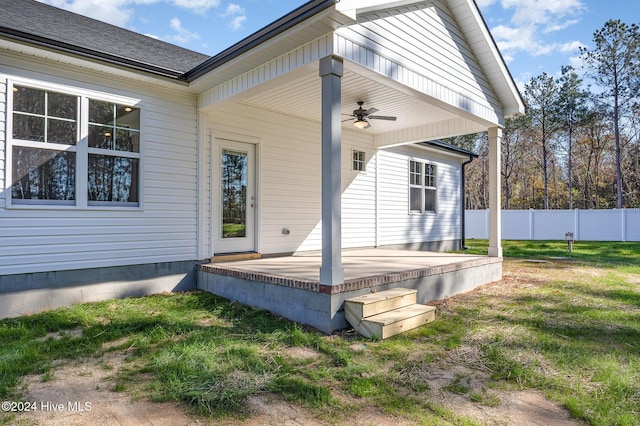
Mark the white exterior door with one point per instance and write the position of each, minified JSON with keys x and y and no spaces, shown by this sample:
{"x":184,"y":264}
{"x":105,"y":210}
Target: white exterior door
{"x":235,"y":197}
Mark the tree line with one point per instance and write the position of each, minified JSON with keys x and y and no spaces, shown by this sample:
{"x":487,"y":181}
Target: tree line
{"x":577,"y":145}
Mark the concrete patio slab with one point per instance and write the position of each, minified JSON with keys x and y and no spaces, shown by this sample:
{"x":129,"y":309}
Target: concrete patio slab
{"x":289,"y":286}
{"x":357,"y":263}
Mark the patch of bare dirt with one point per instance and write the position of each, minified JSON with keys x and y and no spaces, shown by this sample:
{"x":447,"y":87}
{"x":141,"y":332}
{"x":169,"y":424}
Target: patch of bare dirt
{"x":82,"y":393}
{"x":57,"y":335}
{"x":490,"y":406}
{"x":301,"y":352}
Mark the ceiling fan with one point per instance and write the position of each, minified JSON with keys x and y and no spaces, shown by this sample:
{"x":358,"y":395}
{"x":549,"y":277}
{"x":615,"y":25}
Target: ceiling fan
{"x":362,"y":115}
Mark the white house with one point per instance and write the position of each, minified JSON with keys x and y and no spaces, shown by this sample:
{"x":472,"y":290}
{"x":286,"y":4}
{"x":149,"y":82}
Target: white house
{"x":126,"y":161}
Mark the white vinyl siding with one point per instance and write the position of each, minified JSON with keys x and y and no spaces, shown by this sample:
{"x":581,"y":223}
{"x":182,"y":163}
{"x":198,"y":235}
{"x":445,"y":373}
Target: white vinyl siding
{"x":290,"y":185}
{"x":423,"y":48}
{"x":359,"y":193}
{"x":289,"y":179}
{"x":3,"y":127}
{"x":395,"y":223}
{"x":165,"y":230}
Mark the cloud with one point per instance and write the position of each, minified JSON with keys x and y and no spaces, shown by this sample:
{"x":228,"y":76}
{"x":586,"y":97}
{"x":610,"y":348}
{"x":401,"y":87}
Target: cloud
{"x":236,"y":15}
{"x":559,"y":26}
{"x":121,"y":12}
{"x":234,"y":9}
{"x":571,"y":47}
{"x":542,"y":12}
{"x":182,"y":35}
{"x":198,"y":6}
{"x":531,"y":21}
{"x":236,"y":22}
{"x":115,"y":12}
{"x":577,"y":62}
{"x":485,"y":3}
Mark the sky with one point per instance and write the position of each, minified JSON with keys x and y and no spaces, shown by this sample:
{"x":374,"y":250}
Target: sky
{"x":534,"y":36}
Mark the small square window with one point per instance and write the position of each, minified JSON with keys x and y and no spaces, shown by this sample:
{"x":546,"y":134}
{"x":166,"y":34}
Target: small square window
{"x":359,"y":162}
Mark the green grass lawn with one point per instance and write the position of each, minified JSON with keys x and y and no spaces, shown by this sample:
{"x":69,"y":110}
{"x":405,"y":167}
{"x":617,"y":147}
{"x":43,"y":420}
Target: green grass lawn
{"x":568,"y":328}
{"x":602,"y":253}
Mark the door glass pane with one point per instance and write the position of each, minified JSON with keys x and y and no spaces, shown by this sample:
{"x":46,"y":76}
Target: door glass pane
{"x":234,"y":194}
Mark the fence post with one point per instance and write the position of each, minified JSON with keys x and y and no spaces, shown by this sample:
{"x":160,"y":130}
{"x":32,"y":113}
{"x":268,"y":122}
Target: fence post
{"x":623,"y":222}
{"x":531,"y":212}
{"x":486,"y":221}
{"x":576,"y":224}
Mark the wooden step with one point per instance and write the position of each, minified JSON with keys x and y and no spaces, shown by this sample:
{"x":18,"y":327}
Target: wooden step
{"x":234,"y":257}
{"x":396,"y":321}
{"x":370,"y":304}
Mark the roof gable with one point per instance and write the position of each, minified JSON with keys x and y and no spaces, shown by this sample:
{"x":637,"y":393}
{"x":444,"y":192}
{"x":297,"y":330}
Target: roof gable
{"x":467,"y":25}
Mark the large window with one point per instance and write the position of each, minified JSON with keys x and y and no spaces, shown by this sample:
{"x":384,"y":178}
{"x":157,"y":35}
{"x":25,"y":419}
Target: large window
{"x":423,"y":196}
{"x":73,"y":150}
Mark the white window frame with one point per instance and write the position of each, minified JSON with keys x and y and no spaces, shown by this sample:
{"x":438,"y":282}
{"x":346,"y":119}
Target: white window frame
{"x":81,"y":149}
{"x":358,"y":165}
{"x":427,"y":182}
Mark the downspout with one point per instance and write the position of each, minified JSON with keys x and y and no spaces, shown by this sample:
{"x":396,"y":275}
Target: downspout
{"x":462,"y":205}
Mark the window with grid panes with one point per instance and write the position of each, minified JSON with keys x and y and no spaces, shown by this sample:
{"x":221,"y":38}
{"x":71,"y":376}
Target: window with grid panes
{"x":56,"y":153}
{"x":359,"y":162}
{"x":422,"y":187}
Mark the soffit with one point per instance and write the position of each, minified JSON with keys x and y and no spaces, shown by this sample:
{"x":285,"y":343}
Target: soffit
{"x":301,"y":97}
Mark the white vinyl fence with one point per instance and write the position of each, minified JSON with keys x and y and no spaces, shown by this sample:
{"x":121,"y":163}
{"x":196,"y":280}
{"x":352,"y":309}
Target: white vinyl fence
{"x":586,"y":225}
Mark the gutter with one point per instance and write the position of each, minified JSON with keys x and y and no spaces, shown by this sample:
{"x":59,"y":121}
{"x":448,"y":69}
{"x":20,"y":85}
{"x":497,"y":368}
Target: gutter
{"x":283,"y":24}
{"x":461,"y":151}
{"x":22,"y":37}
{"x":462,"y":205}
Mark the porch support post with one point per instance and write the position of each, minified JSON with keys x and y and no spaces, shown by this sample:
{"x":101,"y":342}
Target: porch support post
{"x":331,"y":271}
{"x":495,"y":233}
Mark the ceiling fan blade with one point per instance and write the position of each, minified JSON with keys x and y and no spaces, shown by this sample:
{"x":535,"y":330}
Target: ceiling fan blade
{"x":371,"y":111}
{"x":348,"y":119}
{"x":382,"y":117}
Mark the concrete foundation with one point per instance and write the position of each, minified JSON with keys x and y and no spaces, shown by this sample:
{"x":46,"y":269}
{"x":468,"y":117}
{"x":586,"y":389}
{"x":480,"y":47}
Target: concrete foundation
{"x":31,"y":293}
{"x":285,"y":286}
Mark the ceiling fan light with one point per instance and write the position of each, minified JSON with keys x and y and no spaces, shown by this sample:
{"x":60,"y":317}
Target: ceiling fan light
{"x":360,"y":123}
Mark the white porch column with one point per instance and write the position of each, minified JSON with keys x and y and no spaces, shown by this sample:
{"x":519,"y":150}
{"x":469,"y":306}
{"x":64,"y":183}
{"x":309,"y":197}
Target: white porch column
{"x":495,"y":232}
{"x":331,"y":271}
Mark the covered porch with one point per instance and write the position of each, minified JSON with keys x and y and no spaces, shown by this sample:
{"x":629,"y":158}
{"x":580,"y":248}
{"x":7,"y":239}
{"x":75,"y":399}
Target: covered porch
{"x":290,"y":285}
{"x":285,"y":103}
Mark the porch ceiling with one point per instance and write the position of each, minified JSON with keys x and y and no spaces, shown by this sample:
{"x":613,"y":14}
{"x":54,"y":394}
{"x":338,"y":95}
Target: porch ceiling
{"x":299,"y":95}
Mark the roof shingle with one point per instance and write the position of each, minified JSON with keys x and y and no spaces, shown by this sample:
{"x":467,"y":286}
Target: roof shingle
{"x":44,"y":25}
